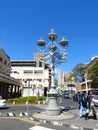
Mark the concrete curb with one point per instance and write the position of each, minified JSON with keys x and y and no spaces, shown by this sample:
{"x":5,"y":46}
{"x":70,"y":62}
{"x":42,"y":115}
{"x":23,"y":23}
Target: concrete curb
{"x":58,"y":123}
{"x":64,"y":124}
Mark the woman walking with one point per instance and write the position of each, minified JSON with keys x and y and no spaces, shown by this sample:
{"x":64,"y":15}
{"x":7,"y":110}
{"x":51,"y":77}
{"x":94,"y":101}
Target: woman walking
{"x":83,"y":104}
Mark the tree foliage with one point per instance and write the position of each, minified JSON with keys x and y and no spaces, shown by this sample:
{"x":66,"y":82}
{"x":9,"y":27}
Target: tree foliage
{"x":93,"y":73}
{"x":78,"y":72}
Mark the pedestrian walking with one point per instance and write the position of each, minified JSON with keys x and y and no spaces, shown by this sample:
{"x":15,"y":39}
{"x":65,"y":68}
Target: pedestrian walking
{"x":83,"y":105}
{"x":93,"y":111}
{"x":91,"y":105}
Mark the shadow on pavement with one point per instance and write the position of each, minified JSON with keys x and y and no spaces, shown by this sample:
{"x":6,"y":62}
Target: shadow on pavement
{"x":4,"y":108}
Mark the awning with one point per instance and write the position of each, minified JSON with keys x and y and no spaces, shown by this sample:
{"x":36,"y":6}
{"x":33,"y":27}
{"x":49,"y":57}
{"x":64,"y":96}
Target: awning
{"x":9,"y":80}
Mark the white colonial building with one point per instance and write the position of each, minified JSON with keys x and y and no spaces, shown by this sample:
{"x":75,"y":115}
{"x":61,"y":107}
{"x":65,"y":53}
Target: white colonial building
{"x":34,"y":76}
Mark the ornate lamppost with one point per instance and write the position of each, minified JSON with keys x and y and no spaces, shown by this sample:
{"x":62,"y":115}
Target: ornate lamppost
{"x":52,"y":54}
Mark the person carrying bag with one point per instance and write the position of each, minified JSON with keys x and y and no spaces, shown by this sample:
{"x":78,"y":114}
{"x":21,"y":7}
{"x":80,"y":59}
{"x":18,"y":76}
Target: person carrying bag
{"x":92,"y":108}
{"x":91,"y":105}
{"x":83,"y":105}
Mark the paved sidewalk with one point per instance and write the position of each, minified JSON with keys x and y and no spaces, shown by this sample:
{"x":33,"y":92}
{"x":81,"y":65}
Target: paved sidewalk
{"x":81,"y":122}
{"x":70,"y":118}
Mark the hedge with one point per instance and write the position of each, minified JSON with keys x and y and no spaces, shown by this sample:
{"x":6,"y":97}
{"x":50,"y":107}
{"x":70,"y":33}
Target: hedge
{"x":32,"y":99}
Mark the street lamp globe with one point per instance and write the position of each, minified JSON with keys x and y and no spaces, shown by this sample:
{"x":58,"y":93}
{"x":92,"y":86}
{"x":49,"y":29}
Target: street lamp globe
{"x":41,"y":42}
{"x":63,"y":42}
{"x":52,"y":35}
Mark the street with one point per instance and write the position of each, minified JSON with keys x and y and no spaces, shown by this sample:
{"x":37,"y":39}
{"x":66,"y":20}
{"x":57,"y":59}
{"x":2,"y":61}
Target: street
{"x":25,"y":123}
{"x":36,"y":108}
{"x":13,"y":124}
{"x":16,"y":124}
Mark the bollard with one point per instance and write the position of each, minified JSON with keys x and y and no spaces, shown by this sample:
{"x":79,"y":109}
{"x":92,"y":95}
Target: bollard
{"x":44,"y":102}
{"x":38,"y":102}
{"x":13,"y":102}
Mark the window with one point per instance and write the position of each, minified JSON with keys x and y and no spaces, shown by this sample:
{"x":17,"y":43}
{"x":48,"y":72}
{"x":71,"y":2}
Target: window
{"x":40,"y":64}
{"x":1,"y":59}
{"x":5,"y":62}
{"x":38,"y":72}
{"x":16,"y":72}
{"x":39,"y":80}
{"x":28,"y":71}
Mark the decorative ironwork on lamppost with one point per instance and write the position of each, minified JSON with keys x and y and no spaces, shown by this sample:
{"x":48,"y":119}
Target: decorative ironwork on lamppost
{"x":52,"y":54}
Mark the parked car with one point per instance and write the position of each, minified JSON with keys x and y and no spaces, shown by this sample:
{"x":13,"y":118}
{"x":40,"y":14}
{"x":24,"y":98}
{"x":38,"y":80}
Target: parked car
{"x":95,"y":100}
{"x":67,"y":95}
{"x":76,"y":97}
{"x":2,"y":103}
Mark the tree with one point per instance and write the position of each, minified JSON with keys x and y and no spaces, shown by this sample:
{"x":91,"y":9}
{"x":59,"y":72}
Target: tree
{"x":93,"y":73}
{"x":78,"y":72}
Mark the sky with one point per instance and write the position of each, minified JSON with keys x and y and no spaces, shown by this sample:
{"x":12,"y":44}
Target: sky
{"x":22,"y":22}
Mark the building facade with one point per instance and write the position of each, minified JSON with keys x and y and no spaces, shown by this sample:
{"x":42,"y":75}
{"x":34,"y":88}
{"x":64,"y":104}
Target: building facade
{"x":87,"y":84}
{"x":34,"y":76}
{"x":9,"y":87}
{"x":64,"y":84}
{"x":5,"y":65}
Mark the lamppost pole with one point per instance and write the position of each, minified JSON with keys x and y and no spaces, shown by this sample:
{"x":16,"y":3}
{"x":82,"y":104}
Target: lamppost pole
{"x":28,"y":98}
{"x":52,"y":56}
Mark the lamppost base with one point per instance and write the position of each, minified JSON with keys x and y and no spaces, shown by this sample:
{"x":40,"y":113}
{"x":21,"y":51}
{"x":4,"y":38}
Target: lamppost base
{"x":52,"y":108}
{"x":53,"y":112}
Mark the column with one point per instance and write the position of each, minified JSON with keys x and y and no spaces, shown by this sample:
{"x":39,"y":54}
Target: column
{"x":11,"y":92}
{"x":6,"y":90}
